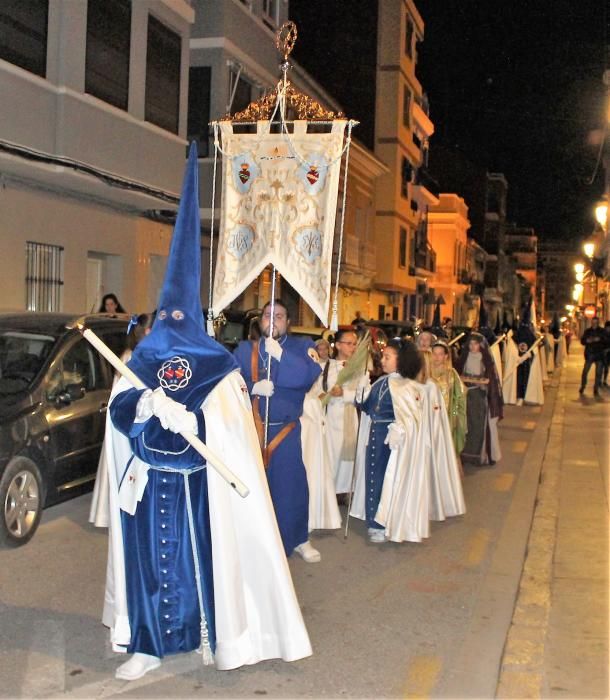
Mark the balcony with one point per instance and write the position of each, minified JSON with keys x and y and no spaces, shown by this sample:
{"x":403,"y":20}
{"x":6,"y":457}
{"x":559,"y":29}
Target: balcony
{"x":424,"y":180}
{"x":464,"y":277}
{"x":425,"y":260}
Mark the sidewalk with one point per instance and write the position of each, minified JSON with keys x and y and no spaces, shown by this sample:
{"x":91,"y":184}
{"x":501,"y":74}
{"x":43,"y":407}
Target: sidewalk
{"x":557,"y":646}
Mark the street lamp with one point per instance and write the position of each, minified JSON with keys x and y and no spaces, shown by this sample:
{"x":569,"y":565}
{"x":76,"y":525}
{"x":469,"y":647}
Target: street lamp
{"x":601,"y":214}
{"x":579,"y":268}
{"x":589,"y":249}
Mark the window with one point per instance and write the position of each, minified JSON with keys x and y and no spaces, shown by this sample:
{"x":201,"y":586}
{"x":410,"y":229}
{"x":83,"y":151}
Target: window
{"x":44,"y":276}
{"x":406,"y":173}
{"x":199,"y":108}
{"x":23,"y":34}
{"x":108,"y":46}
{"x":409,"y":38}
{"x":406,"y":107}
{"x":271,"y":12}
{"x":402,"y":248}
{"x":78,"y":373}
{"x":162,"y":105}
{"x":241,"y":92}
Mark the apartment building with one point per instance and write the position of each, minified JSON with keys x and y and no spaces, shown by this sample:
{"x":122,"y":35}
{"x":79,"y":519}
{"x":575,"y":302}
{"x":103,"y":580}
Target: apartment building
{"x":234,"y":61}
{"x":92,"y":146}
{"x":448,"y":226}
{"x":405,"y":259}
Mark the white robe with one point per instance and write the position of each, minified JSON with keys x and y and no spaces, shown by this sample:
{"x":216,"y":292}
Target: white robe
{"x":446,"y":494}
{"x":341,"y":428}
{"x":534,"y":392}
{"x":562,"y":351}
{"x":257,"y":612}
{"x":511,"y":360}
{"x":324,"y":512}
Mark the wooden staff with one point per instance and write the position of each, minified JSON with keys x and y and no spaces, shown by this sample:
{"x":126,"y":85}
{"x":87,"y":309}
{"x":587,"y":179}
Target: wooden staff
{"x":457,"y":337}
{"x":191,"y":438}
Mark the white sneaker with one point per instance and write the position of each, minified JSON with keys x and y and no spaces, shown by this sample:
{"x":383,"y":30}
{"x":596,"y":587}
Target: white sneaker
{"x":376,"y":535}
{"x":309,"y":554}
{"x":137,"y":666}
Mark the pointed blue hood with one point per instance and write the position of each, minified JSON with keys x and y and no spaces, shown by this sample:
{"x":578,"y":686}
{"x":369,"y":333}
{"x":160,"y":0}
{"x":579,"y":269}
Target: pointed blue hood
{"x":178,"y":354}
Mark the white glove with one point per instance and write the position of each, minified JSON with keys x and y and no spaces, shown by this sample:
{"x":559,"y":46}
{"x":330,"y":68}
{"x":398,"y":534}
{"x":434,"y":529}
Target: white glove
{"x":144,"y":409}
{"x":396,"y":436}
{"x":173,"y":415}
{"x":364,"y":387}
{"x":263,"y":388}
{"x":273,"y":348}
{"x":363,"y":383}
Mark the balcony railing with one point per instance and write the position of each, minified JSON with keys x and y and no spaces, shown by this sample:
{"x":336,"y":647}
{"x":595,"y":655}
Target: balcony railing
{"x":424,"y":179}
{"x":426,"y":259}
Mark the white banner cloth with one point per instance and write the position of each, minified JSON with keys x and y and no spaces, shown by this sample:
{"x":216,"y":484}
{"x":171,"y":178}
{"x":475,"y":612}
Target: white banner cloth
{"x":279,"y":201}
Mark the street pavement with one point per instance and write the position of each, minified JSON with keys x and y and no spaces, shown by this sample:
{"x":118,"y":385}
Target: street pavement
{"x":445,"y":618}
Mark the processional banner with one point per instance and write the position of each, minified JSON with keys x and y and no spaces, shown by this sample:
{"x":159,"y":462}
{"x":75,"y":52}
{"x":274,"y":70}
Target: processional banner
{"x":279,"y":201}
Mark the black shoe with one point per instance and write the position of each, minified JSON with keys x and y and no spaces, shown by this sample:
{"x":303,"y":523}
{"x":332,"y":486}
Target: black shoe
{"x":596,"y":393}
{"x":581,"y":390}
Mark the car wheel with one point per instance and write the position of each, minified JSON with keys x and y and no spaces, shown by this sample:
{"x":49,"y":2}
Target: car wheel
{"x":21,"y":498}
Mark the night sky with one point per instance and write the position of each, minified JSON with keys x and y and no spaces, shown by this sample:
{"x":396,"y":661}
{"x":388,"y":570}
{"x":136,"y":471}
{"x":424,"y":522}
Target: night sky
{"x":515,"y":85}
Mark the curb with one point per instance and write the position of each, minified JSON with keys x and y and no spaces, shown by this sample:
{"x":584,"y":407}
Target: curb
{"x":479,"y":662}
{"x":522,"y":670}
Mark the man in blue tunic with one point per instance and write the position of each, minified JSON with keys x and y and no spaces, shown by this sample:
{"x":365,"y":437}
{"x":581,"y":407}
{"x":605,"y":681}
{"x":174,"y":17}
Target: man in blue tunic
{"x":293,"y":371}
{"x":185,"y":550}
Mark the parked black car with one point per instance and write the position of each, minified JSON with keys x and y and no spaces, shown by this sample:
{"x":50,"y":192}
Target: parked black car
{"x":54,"y":391}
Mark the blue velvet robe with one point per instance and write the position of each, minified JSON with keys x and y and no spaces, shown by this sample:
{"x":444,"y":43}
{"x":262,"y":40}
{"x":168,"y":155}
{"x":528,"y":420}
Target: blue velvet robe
{"x":162,"y":600}
{"x":378,"y":406}
{"x":292,"y":378}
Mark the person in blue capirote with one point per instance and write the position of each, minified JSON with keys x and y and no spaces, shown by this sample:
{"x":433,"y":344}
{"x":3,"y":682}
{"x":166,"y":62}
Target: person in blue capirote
{"x":192,"y":565}
{"x":294,"y":368}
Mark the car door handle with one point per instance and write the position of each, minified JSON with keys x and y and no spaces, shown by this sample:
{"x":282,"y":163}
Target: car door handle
{"x":103,"y":407}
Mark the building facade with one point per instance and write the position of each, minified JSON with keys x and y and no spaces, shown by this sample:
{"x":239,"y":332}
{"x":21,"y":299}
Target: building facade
{"x":234,"y":62}
{"x":91,"y":150}
{"x":405,"y":259}
{"x":448,"y":226}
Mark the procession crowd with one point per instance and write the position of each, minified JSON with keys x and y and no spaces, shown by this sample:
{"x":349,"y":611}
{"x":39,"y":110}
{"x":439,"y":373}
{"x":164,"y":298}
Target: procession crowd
{"x":217,"y":466}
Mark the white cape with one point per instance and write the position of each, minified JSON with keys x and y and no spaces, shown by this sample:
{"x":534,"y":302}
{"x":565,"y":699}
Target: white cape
{"x":497,"y":356}
{"x":257,"y":612}
{"x":511,"y":360}
{"x":534,"y":393}
{"x":323,"y":509}
{"x":542,"y":360}
{"x":446,"y":494}
{"x":404,"y":504}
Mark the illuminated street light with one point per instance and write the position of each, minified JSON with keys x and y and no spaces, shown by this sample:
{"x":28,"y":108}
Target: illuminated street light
{"x":601,"y":214}
{"x":575,"y":294}
{"x":589,"y":249}
{"x":580,"y":276}
{"x":579,"y":268}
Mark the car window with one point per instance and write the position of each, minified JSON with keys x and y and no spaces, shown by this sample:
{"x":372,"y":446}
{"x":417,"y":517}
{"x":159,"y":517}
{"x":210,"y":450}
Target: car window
{"x":22,"y":355}
{"x":80,"y":366}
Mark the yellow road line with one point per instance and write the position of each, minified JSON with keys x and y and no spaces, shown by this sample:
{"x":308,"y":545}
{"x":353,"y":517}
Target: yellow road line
{"x":477,"y":547}
{"x":422,"y":676}
{"x":503,"y":482}
{"x":519,"y":447}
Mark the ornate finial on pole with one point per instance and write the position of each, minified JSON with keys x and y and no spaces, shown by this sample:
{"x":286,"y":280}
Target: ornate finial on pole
{"x":285,"y":39}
